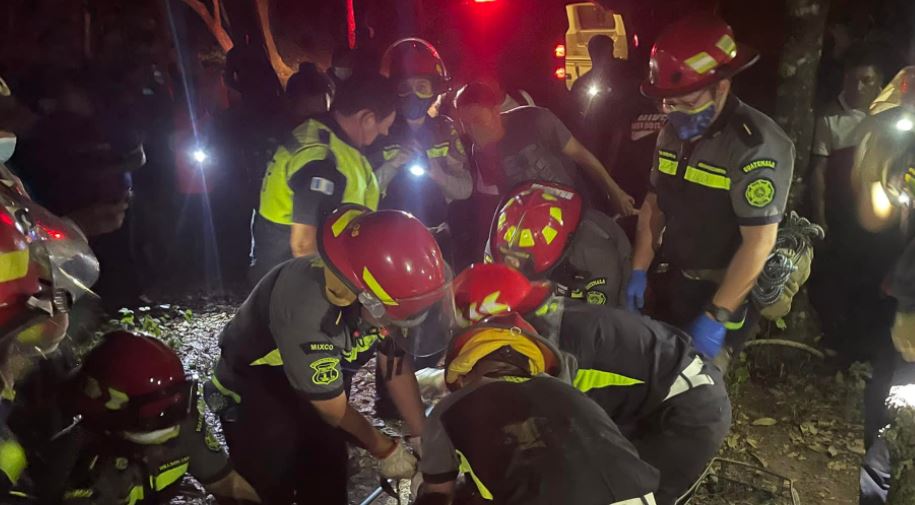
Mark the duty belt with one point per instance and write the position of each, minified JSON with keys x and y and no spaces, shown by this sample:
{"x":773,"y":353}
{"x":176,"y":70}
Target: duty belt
{"x":709,"y":275}
{"x":689,"y":378}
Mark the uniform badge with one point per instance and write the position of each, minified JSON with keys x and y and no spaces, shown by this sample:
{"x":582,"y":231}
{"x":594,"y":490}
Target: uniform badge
{"x":760,"y":193}
{"x":322,"y":185}
{"x":326,"y":371}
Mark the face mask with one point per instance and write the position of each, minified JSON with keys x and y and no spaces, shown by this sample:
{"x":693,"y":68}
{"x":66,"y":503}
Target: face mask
{"x":7,"y":146}
{"x":693,"y":123}
{"x":414,"y":107}
{"x":343,"y":73}
{"x":152,"y":437}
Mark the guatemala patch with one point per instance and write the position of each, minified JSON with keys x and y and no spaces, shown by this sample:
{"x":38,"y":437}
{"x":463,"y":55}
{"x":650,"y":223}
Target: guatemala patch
{"x":322,"y":185}
{"x":760,"y":193}
{"x":326,"y":371}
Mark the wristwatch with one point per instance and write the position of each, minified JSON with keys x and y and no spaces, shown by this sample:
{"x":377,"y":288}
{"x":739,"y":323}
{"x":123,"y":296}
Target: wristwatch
{"x":720,"y":314}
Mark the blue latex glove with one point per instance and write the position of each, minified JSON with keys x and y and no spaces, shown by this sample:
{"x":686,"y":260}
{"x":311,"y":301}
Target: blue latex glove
{"x":708,"y":335}
{"x":635,"y":290}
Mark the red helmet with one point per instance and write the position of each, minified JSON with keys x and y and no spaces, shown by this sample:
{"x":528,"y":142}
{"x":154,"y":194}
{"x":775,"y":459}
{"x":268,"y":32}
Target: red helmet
{"x":489,"y":289}
{"x":693,"y":53}
{"x":534,"y":226}
{"x":388,"y":258}
{"x":133,"y":383}
{"x":415,"y":57}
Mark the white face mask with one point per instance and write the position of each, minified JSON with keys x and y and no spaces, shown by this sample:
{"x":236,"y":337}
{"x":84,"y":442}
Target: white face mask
{"x":7,"y":146}
{"x":152,"y":437}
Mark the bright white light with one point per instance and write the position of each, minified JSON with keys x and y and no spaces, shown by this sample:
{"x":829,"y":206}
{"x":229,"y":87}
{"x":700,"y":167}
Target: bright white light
{"x":199,"y":155}
{"x":902,"y":396}
{"x":904,"y":199}
{"x":417,"y":169}
{"x":905,"y":125}
{"x":880,"y":202}
{"x":593,"y":91}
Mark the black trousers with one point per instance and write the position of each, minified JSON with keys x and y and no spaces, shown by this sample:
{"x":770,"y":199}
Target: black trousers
{"x":683,"y":435}
{"x":280,"y":444}
{"x":678,"y":300}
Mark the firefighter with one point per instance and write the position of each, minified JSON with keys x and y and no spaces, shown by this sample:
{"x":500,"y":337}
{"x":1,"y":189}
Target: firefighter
{"x":47,"y":265}
{"x":287,"y":357}
{"x":720,"y":183}
{"x":421,"y":165}
{"x":318,"y":168}
{"x":544,"y":230}
{"x":665,"y":398}
{"x":141,"y":431}
{"x":885,"y":188}
{"x":519,"y":434}
{"x":528,"y":144}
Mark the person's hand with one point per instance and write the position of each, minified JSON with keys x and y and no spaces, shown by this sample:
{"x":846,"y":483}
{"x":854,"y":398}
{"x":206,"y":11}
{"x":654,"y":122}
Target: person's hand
{"x":626,"y":204}
{"x":100,"y":218}
{"x":708,"y":335}
{"x":398,"y":463}
{"x":405,"y":155}
{"x":635,"y":290}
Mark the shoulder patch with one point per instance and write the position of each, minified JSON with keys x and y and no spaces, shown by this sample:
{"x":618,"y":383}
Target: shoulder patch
{"x":760,"y":193}
{"x":326,"y":371}
{"x":763,"y":163}
{"x":322,"y":185}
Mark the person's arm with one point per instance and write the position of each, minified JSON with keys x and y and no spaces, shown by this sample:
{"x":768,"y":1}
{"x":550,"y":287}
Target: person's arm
{"x":648,"y":233}
{"x":818,"y":189}
{"x":404,"y":392}
{"x":317,"y":189}
{"x":338,"y":413}
{"x":581,"y":155}
{"x":303,"y":240}
{"x":746,"y":265}
{"x":452,"y":176}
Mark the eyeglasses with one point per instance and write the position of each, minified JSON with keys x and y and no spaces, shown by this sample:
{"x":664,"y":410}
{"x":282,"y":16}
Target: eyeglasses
{"x":420,"y":87}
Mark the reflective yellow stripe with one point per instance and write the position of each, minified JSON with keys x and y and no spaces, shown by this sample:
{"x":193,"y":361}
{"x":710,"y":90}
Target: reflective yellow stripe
{"x":707,"y":179}
{"x":19,"y":494}
{"x":169,"y":476}
{"x":586,"y":380}
{"x":362,"y":344}
{"x":527,"y":238}
{"x":376,"y":288}
{"x":116,"y":399}
{"x":666,"y":166}
{"x":556,"y":213}
{"x":136,"y":495}
{"x":439,"y":151}
{"x":702,"y":63}
{"x":726,"y":43}
{"x":549,"y":234}
{"x":228,"y":392}
{"x":14,"y":265}
{"x":390,"y":152}
{"x":509,"y":234}
{"x":272,"y":358}
{"x":344,"y":220}
{"x":78,"y":493}
{"x":12,"y":460}
{"x":466,"y":469}
{"x":711,"y":168}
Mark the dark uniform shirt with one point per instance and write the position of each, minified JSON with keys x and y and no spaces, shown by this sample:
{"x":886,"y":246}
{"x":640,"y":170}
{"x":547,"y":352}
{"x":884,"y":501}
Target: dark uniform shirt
{"x":119,"y":472}
{"x":627,"y":363}
{"x":598,"y":262}
{"x":531,"y":150}
{"x":738,"y":174}
{"x":287,"y":326}
{"x":534,"y":442}
{"x":419,"y":195}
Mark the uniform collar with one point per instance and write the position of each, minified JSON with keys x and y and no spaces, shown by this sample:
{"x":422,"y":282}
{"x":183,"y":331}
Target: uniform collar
{"x":731,"y":104}
{"x":327,"y":119}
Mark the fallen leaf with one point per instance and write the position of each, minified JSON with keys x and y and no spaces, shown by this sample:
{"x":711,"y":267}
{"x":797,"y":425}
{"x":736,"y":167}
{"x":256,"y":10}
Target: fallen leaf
{"x":855,"y":447}
{"x":752,"y":442}
{"x":832,"y":451}
{"x":765,"y":421}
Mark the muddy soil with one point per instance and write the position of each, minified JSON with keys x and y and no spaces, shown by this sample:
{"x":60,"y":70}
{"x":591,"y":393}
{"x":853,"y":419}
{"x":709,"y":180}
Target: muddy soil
{"x":795,"y":417}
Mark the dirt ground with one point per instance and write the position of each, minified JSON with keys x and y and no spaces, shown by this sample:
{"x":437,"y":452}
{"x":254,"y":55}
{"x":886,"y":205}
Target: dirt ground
{"x":797,"y":419}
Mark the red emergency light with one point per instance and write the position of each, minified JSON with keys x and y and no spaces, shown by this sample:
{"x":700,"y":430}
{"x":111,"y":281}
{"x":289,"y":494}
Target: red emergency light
{"x":560,"y":51}
{"x":483,"y":1}
{"x":560,"y":73}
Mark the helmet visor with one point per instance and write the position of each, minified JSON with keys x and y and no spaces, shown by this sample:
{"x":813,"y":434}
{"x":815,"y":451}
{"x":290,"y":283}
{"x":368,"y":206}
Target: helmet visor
{"x":427,"y":331}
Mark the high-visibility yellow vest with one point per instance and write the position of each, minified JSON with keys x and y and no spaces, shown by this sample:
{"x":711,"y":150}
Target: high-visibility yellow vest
{"x":313,"y":141}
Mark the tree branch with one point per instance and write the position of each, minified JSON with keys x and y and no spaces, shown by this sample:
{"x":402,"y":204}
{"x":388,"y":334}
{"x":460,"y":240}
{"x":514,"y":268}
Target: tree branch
{"x":213,"y":22}
{"x":283,"y":71}
{"x":786,"y":343}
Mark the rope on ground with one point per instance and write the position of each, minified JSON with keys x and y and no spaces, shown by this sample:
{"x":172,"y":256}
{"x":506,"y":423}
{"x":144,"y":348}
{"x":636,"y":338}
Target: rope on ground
{"x":787,"y":343}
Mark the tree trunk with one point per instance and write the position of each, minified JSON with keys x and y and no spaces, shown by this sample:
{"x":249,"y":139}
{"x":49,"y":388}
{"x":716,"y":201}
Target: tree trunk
{"x":213,"y":22}
{"x":804,"y":26}
{"x":283,"y":71}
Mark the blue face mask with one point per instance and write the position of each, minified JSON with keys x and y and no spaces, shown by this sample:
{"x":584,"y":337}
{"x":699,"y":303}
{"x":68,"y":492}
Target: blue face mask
{"x":693,"y":123}
{"x":414,"y":107}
